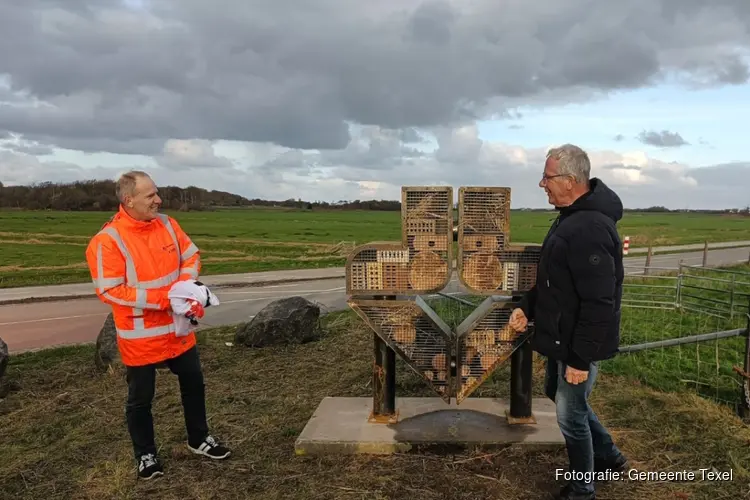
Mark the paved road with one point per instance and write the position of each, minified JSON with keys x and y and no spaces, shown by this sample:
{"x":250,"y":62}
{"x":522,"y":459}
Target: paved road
{"x":727,"y":256}
{"x":45,"y":324}
{"x":692,"y":246}
{"x":76,"y":290}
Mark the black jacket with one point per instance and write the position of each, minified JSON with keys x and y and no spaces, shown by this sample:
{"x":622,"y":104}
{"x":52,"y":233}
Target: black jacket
{"x":575,"y":304}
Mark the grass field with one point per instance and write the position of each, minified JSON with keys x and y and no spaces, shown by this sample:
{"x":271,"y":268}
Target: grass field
{"x":64,"y":434}
{"x":46,"y":247}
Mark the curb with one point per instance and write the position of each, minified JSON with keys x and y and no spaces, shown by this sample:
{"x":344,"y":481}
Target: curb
{"x":672,"y":251}
{"x":228,"y":284}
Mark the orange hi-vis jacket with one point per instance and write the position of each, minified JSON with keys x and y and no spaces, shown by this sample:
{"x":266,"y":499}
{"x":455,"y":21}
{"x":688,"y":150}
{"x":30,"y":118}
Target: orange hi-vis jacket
{"x":133,"y":265}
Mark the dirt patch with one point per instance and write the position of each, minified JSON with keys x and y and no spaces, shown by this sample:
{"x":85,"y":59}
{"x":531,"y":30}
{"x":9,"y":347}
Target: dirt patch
{"x":43,"y":236}
{"x":8,"y":269}
{"x":224,"y":252}
{"x":243,"y":241}
{"x":269,"y":258}
{"x":35,"y":241}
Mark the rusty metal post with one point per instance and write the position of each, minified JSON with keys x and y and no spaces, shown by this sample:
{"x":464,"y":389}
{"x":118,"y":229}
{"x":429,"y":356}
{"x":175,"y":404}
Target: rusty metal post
{"x":521,"y":375}
{"x":646,"y":269}
{"x":744,"y":406}
{"x":383,"y":380}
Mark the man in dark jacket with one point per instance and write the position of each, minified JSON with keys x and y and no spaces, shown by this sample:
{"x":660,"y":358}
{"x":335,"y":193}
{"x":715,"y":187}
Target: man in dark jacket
{"x":575,"y":306}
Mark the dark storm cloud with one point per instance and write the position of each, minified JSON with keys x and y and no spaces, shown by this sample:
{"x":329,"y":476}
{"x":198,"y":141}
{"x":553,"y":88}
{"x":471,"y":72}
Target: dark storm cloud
{"x":123,"y":79}
{"x":663,"y":139}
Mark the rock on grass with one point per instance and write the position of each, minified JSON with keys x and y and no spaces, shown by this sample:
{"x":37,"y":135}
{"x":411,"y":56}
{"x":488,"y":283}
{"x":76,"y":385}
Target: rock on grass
{"x":4,"y":357}
{"x":107,"y":353}
{"x":291,"y":320}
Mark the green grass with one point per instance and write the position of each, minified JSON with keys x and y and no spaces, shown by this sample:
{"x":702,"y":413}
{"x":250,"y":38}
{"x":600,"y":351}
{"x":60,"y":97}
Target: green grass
{"x":707,"y":297}
{"x":64,"y":434}
{"x":47,"y":247}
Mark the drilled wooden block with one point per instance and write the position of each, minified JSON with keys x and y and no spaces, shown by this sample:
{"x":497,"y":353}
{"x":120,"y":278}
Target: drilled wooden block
{"x":374,"y":275}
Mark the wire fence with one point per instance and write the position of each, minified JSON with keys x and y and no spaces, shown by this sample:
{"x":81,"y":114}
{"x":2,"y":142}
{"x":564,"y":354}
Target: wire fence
{"x":685,"y":328}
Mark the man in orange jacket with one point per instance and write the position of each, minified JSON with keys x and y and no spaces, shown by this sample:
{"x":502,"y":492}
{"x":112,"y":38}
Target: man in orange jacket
{"x":134,"y":260}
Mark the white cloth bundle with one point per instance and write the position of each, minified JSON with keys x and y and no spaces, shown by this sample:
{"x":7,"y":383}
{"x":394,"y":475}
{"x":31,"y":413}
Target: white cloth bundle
{"x":180,"y":296}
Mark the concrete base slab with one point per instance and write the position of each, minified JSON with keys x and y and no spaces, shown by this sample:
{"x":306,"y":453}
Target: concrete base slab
{"x":341,"y":426}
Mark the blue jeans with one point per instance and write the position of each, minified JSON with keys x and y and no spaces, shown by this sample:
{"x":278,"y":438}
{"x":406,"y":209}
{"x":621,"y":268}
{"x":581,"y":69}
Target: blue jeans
{"x":585,"y":437}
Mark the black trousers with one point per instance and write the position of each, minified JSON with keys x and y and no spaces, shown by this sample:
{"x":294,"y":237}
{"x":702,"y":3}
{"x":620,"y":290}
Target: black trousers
{"x":141,"y":386}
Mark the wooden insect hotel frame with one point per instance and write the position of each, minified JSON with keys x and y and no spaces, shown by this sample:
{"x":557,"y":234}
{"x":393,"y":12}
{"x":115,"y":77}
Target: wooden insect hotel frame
{"x":387,"y":281}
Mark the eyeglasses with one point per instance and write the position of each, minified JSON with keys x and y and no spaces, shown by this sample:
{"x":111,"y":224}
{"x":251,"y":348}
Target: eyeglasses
{"x":546,"y":177}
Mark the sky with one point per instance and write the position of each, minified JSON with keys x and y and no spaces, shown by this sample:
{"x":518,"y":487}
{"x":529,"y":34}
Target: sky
{"x":329,"y":100}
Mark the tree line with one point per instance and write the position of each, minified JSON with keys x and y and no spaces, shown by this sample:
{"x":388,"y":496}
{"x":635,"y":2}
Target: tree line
{"x":99,"y":195}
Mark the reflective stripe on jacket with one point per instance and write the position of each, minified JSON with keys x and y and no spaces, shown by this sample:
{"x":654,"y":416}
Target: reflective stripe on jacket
{"x":133,"y":265}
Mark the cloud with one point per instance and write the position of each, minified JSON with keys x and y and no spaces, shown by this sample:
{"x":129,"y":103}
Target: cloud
{"x":663,"y":139}
{"x":14,"y":142}
{"x":124,"y":77}
{"x":321,"y":100}
{"x":377,"y":162}
{"x":193,"y":154}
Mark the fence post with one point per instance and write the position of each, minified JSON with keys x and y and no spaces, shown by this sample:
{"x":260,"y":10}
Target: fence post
{"x":705,"y":253}
{"x":678,"y":292}
{"x":731,"y":297}
{"x":647,"y":267}
{"x":744,"y":406}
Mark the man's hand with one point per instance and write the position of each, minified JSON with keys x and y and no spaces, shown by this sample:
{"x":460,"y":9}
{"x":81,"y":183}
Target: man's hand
{"x":196,"y":312}
{"x":518,"y":320}
{"x":574,"y":376}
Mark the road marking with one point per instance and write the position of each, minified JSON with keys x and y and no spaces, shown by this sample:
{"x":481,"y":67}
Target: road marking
{"x":59,"y":318}
{"x":250,"y":292}
{"x":229,"y":290}
{"x":329,"y":290}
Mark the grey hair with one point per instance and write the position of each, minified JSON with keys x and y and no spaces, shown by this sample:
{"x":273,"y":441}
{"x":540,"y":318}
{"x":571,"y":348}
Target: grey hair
{"x":126,"y":184}
{"x":572,"y":161}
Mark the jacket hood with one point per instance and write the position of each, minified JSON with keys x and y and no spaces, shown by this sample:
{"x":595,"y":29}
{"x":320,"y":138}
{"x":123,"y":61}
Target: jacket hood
{"x":600,"y":198}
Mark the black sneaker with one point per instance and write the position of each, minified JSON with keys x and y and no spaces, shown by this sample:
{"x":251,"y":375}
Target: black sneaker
{"x":618,"y":464}
{"x":211,"y":448}
{"x":149,"y":467}
{"x":566,"y":493}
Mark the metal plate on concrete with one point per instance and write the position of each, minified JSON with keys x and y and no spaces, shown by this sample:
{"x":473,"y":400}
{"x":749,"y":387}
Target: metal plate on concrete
{"x":340,"y":426}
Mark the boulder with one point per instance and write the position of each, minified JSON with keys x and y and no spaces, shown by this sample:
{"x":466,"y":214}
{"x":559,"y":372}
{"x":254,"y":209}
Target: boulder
{"x":291,"y":320}
{"x":107,"y":353}
{"x":4,"y":357}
